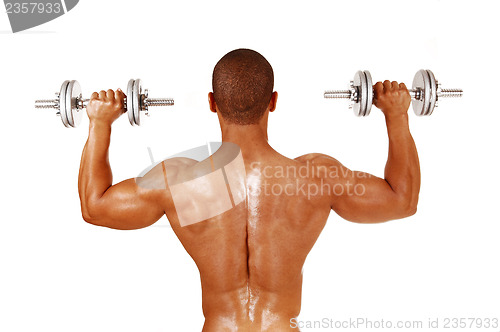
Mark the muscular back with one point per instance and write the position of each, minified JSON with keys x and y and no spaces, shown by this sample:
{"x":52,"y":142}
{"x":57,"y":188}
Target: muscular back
{"x":249,"y":226}
{"x":250,"y":257}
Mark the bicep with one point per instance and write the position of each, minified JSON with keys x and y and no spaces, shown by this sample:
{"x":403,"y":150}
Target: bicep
{"x":127,"y":205}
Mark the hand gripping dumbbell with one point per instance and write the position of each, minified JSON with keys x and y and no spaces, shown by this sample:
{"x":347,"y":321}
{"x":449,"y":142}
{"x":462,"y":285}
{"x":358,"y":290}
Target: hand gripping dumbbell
{"x":425,"y":93}
{"x":70,"y":104}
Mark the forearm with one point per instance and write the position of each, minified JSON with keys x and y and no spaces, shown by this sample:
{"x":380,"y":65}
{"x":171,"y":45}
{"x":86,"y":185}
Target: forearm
{"x":95,"y":172}
{"x":402,"y":170}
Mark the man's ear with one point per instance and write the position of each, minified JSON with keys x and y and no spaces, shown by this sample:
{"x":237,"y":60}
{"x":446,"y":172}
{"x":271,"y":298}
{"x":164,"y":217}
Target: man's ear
{"x":274,"y":100}
{"x":211,"y":102}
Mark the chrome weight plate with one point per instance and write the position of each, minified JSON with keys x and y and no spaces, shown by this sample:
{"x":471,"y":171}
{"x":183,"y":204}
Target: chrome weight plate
{"x":422,"y":82}
{"x":73,"y":93}
{"x":369,"y":92}
{"x":359,"y":83}
{"x":130,"y":106}
{"x":62,"y":104}
{"x":136,"y":101}
{"x":363,"y":84}
{"x":433,"y":96}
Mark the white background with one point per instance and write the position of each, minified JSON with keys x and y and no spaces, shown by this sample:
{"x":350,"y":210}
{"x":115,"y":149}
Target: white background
{"x":60,"y":274}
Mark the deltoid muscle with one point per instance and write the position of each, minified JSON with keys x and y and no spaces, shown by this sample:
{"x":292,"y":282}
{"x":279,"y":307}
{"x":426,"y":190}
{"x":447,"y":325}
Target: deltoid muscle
{"x":201,"y":187}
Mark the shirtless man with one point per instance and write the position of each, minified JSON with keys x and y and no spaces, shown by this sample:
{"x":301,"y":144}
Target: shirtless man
{"x":250,"y":257}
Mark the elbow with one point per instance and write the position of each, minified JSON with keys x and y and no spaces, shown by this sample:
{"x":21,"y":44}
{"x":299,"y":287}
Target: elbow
{"x":407,"y":206}
{"x":88,"y":218}
{"x":90,"y":212}
{"x":411,"y":211}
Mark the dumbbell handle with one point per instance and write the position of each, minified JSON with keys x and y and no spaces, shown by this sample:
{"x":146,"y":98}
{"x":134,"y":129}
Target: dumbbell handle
{"x":149,"y":102}
{"x":414,"y":94}
{"x":82,"y":103}
{"x":47,"y":103}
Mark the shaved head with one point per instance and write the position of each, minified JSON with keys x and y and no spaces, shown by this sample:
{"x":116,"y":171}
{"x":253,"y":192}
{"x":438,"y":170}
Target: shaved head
{"x":242,"y":83}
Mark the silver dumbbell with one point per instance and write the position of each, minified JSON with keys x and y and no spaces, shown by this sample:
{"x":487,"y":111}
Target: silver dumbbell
{"x":425,"y":93}
{"x":69,"y":102}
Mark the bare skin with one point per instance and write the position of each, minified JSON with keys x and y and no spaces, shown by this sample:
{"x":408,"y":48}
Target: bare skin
{"x":250,"y":257}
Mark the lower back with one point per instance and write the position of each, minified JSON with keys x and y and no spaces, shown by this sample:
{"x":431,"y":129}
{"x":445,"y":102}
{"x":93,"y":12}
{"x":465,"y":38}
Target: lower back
{"x":258,"y":310}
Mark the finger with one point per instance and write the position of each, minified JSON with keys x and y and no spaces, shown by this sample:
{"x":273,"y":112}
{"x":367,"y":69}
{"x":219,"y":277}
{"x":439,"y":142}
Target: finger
{"x":387,"y":85}
{"x":95,"y":95}
{"x":110,"y":94}
{"x":378,"y":87}
{"x":394,"y":85}
{"x":102,"y":95}
{"x":119,"y":94}
{"x":402,"y":86}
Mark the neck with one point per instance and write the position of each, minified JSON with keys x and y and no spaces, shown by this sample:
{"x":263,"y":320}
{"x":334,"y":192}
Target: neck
{"x":250,"y":138}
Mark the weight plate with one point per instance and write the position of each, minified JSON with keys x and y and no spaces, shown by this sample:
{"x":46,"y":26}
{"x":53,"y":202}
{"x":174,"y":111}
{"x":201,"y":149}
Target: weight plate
{"x":76,"y":95}
{"x":69,"y":104}
{"x":363,"y":94}
{"x":137,"y":101}
{"x":73,"y":92}
{"x":356,"y":83}
{"x":130,"y":106}
{"x":421,"y":82}
{"x":62,"y":103}
{"x":369,"y":91}
{"x":433,"y":97}
{"x":359,"y":82}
